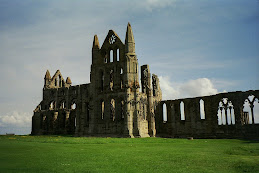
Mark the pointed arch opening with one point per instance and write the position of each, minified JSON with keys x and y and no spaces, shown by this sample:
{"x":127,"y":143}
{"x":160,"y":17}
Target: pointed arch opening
{"x":202,"y":111}
{"x":52,"y":105}
{"x":225,"y":113}
{"x":111,"y":55}
{"x":164,"y":113}
{"x":182,"y":110}
{"x":63,"y":105}
{"x":118,"y":55}
{"x":73,"y":105}
{"x":251,"y":110}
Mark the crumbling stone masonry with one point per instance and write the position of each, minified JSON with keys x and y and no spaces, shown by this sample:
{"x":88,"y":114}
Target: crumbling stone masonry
{"x":112,"y":104}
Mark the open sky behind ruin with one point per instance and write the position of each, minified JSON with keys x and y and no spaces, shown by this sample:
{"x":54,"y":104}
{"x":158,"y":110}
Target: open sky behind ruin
{"x":199,"y":47}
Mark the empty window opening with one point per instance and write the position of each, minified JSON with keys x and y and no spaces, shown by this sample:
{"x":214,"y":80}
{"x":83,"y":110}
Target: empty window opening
{"x":219,"y":114}
{"x":202,"y":111}
{"x":73,"y":106}
{"x":118,"y":55}
{"x":182,"y":110}
{"x":102,"y":108}
{"x":224,"y":120}
{"x":226,"y":114}
{"x":251,"y":110}
{"x":225,"y":104}
{"x":112,"y":109}
{"x":52,"y":105}
{"x":230,"y":113}
{"x":164,"y":113}
{"x":44,"y":118}
{"x":111,"y":55}
{"x":247,"y":118}
{"x":63,"y":105}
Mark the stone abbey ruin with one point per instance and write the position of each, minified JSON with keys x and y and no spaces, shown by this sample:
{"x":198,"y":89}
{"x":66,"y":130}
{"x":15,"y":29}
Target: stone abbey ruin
{"x":115,"y":103}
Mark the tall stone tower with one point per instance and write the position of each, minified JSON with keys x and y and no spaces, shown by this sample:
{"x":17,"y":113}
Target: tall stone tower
{"x":115,"y":86}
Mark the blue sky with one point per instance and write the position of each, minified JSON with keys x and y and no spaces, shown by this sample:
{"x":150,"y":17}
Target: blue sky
{"x":199,"y":47}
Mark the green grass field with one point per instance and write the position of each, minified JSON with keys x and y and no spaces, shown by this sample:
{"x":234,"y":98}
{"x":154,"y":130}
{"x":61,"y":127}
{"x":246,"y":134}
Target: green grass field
{"x":72,"y":154}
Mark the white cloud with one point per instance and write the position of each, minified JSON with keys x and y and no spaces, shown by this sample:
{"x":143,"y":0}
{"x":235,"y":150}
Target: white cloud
{"x":168,"y":91}
{"x":16,"y":119}
{"x":191,"y":88}
{"x":198,"y":87}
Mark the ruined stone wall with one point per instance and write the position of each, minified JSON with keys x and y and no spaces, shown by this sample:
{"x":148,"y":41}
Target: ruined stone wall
{"x":192,"y":124}
{"x":62,"y":111}
{"x":110,"y":105}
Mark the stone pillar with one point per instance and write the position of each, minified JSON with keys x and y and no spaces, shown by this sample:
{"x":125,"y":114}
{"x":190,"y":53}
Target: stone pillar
{"x":136,"y":114}
{"x":146,"y":88}
{"x":128,"y":116}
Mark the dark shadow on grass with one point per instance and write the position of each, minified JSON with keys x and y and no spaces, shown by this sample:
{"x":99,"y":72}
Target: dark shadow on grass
{"x":250,"y":140}
{"x":246,"y":167}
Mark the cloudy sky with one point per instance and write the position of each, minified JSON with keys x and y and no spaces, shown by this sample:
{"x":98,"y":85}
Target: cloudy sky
{"x":199,"y":47}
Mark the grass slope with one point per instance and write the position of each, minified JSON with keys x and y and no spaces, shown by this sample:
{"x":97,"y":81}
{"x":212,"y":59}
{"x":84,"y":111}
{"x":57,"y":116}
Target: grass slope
{"x":71,"y":154}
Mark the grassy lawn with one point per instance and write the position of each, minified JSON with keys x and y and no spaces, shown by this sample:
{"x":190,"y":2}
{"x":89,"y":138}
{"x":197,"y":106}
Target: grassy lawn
{"x":71,"y":154}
